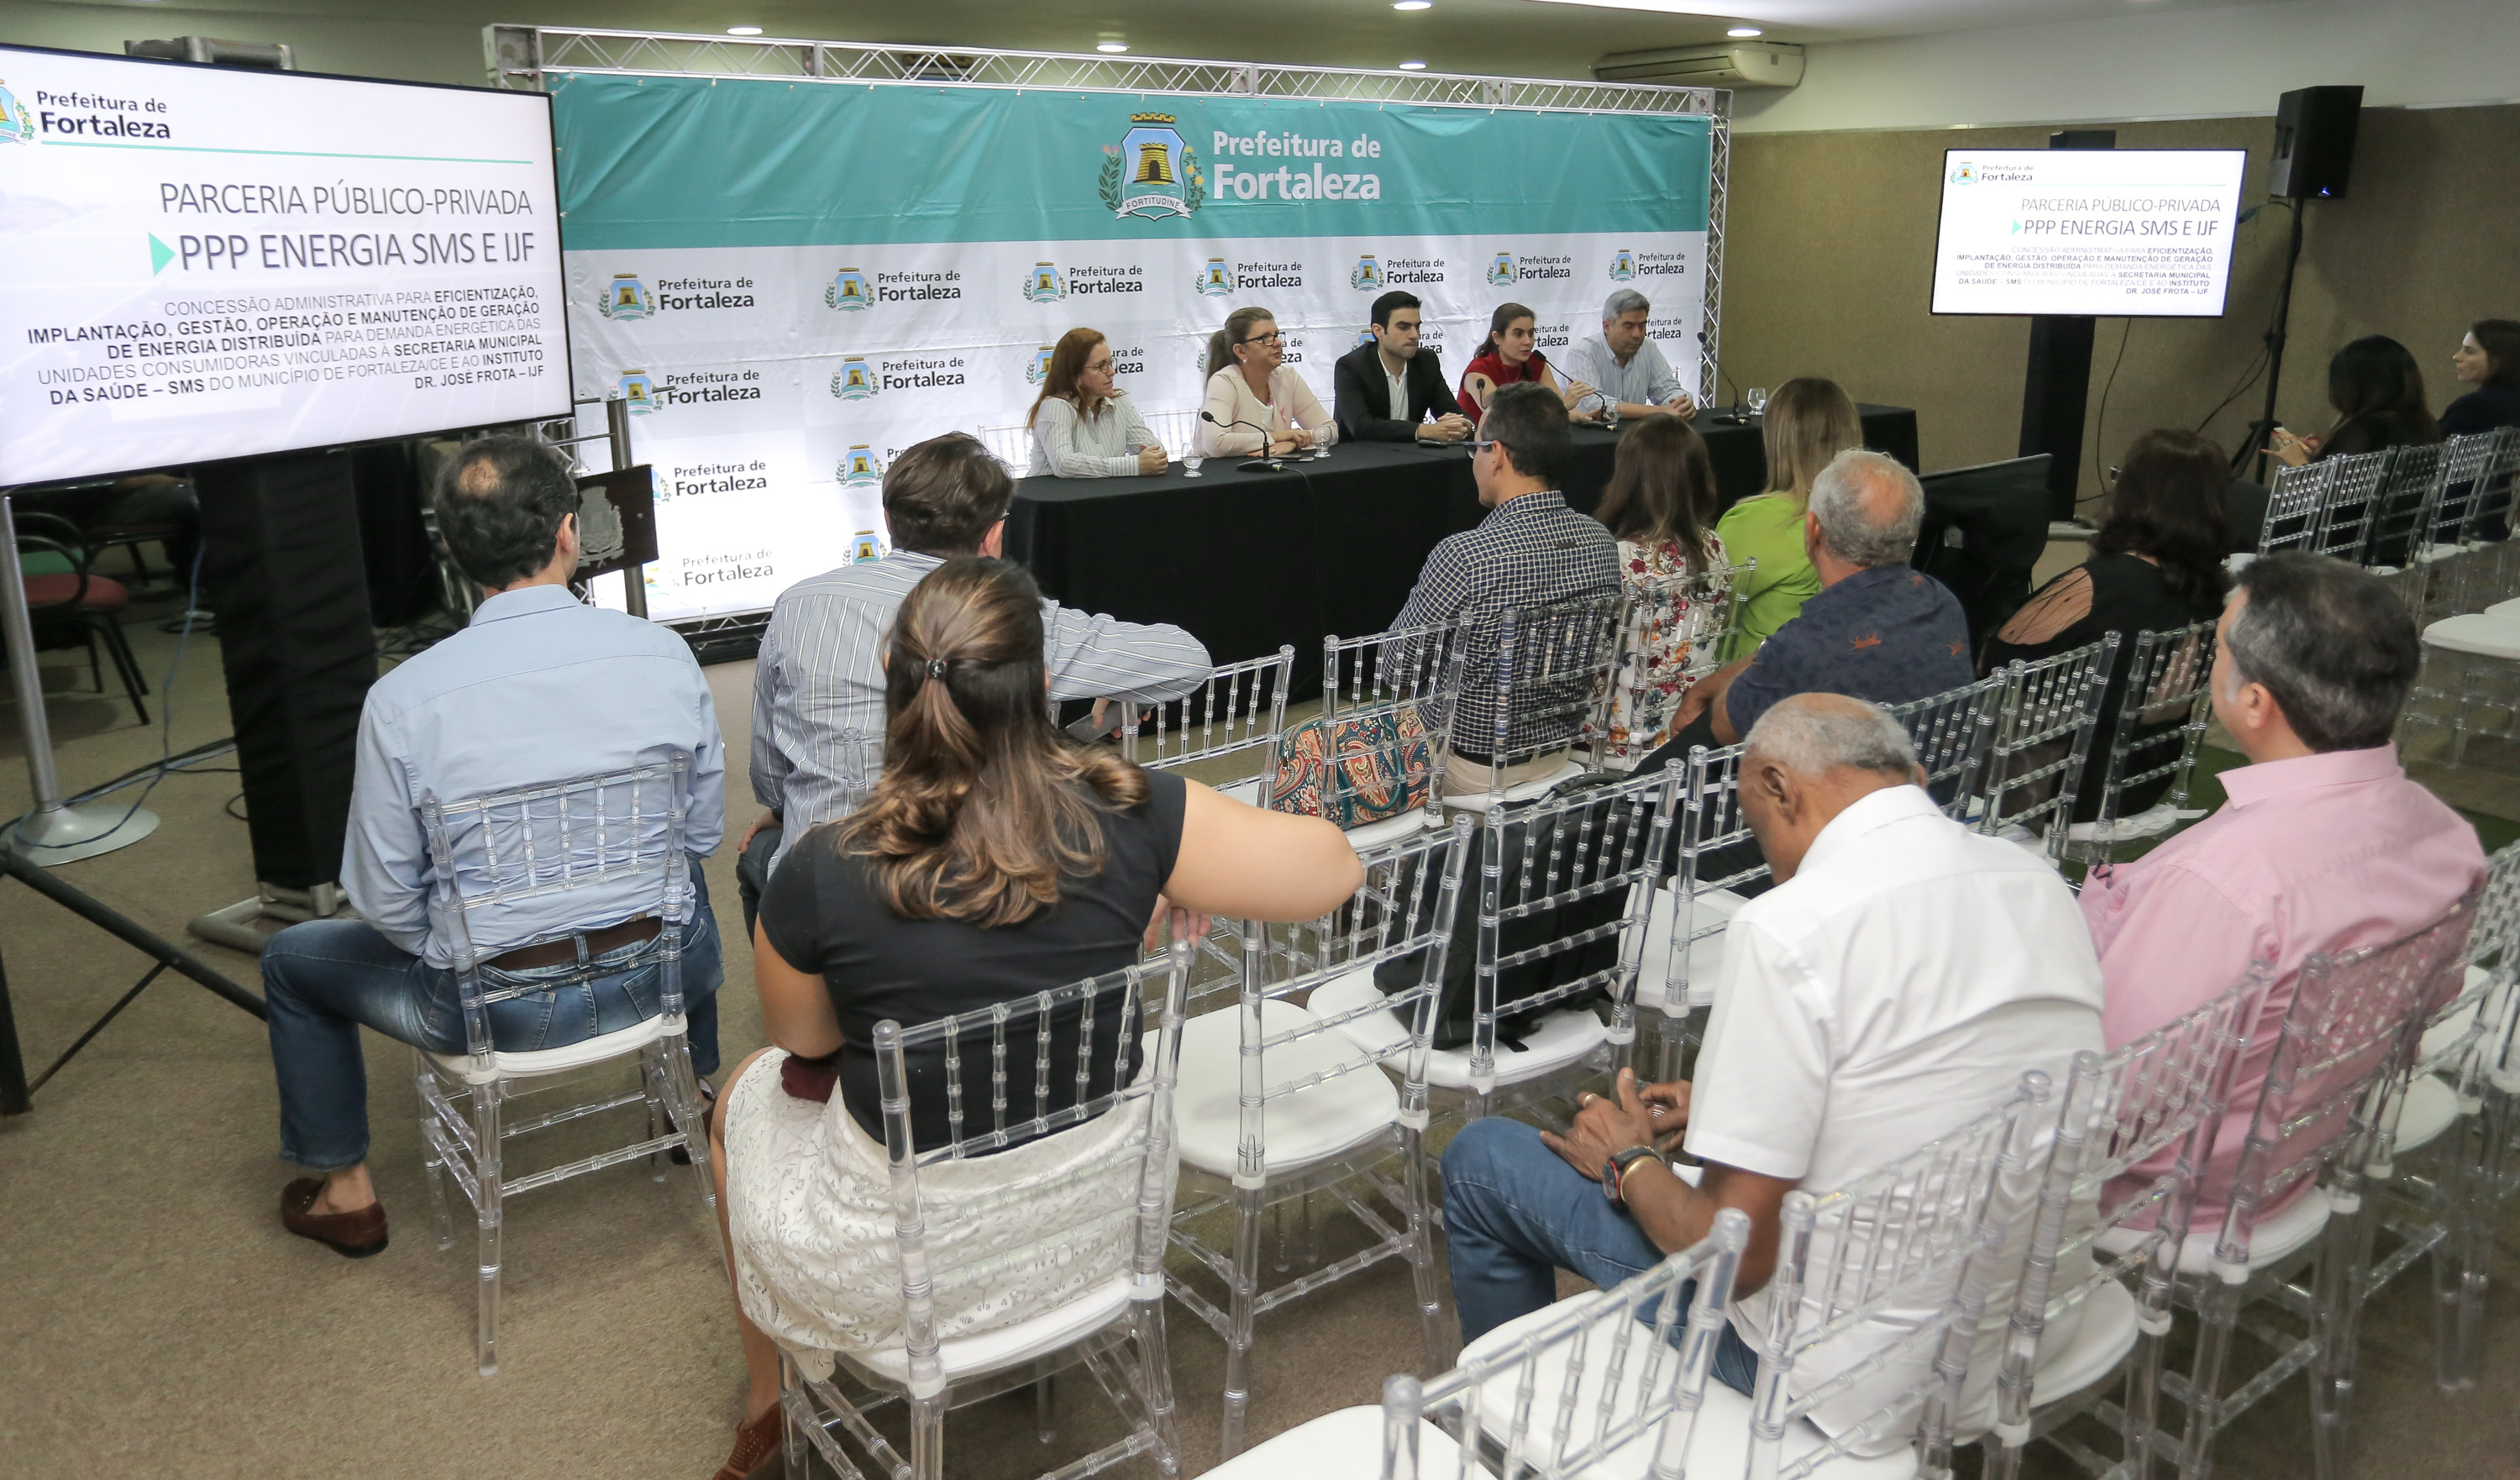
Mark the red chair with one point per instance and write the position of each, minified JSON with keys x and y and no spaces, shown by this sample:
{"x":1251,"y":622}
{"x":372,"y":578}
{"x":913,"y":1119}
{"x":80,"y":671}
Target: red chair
{"x":76,"y":608}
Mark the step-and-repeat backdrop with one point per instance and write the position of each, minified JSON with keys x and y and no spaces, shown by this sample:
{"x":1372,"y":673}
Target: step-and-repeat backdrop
{"x":792,"y":282}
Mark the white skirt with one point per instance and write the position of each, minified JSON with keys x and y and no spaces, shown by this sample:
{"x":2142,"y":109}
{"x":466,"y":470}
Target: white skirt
{"x":1008,"y":1238}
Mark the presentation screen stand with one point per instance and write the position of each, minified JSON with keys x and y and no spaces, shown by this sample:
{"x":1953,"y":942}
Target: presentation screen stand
{"x":2056,"y":389}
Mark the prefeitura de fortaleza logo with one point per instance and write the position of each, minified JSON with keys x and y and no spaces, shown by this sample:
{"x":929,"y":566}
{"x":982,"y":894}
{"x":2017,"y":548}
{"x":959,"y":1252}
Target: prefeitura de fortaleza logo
{"x":626,"y":298}
{"x":1153,"y":172}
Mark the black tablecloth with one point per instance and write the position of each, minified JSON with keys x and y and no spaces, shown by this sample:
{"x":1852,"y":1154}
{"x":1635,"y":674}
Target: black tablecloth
{"x":1248,"y":561}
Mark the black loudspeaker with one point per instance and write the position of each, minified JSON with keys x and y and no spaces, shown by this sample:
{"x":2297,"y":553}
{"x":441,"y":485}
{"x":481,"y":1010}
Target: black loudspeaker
{"x":282,"y":556}
{"x":2314,"y":143}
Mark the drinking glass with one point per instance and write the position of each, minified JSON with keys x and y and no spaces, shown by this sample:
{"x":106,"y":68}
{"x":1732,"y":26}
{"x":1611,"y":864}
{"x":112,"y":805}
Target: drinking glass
{"x":1609,"y":413}
{"x":1758,"y":399}
{"x":1190,"y":463}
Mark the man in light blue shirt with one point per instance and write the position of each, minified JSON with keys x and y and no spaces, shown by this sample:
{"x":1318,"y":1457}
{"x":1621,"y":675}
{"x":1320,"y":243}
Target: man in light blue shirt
{"x":538,"y":688}
{"x":1626,"y":366}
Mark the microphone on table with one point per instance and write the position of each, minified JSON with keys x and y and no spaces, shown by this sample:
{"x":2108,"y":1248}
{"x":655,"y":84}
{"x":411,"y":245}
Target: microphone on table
{"x":1258,"y":464}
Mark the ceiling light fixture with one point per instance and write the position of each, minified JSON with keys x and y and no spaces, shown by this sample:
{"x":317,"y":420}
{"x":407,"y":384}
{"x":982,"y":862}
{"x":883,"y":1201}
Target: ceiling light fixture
{"x":743,"y":30}
{"x":1413,"y":5}
{"x":1113,"y":47}
{"x":1412,"y":66}
{"x":1746,"y":32}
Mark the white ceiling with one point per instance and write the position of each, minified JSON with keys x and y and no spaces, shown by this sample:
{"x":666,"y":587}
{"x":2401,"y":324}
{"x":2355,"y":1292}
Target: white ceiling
{"x":1529,"y":38}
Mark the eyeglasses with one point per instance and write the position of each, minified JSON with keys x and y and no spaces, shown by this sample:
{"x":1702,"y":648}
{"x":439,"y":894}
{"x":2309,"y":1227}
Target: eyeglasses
{"x":1271,"y":337}
{"x":1479,"y":447}
{"x":1099,"y":367}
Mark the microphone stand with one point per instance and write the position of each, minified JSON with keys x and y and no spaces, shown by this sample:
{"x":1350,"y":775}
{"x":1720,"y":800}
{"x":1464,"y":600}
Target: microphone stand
{"x":1263,"y":463}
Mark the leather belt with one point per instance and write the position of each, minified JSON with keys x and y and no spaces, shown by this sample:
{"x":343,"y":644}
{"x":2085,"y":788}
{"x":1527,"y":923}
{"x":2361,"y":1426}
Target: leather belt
{"x":564,"y":952}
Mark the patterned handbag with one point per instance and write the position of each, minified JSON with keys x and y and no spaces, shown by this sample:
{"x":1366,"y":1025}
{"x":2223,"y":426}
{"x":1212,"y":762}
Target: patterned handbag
{"x":1354,"y":771}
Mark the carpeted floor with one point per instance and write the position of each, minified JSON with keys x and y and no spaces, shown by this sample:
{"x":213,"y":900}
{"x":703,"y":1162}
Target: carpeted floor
{"x":155,"y":1319}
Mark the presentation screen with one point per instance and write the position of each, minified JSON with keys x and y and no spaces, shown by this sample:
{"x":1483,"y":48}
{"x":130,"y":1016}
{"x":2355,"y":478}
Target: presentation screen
{"x":207,"y":263}
{"x":2095,"y":232}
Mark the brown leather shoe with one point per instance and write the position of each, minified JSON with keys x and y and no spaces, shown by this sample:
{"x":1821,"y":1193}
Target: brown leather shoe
{"x":353,"y":1235}
{"x":756,"y":1444}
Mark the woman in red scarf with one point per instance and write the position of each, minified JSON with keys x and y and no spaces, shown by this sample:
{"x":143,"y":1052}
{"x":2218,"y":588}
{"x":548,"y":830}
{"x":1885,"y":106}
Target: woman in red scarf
{"x":1511,"y":355}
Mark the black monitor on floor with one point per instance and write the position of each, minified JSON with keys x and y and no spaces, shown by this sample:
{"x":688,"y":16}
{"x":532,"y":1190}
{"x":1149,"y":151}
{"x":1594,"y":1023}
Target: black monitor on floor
{"x":1985,"y":529}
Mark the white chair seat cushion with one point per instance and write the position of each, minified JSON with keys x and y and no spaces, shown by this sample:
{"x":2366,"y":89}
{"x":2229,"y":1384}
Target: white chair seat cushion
{"x":2290,"y":1228}
{"x":561,"y":1060}
{"x":1719,"y":1445}
{"x":1310,"y":1125}
{"x":2506,"y":611}
{"x":2431,"y":1107}
{"x":1527,"y":791}
{"x":2152,"y":820}
{"x":1390,"y":829}
{"x":2477,"y":633}
{"x":2108,"y":1333}
{"x":1706,"y":954}
{"x":1552,"y":1044}
{"x":1008,"y":1346}
{"x":1346,"y":1445}
{"x":1247,"y":790}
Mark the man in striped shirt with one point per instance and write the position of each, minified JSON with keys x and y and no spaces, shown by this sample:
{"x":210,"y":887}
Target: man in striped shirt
{"x":820,"y":673}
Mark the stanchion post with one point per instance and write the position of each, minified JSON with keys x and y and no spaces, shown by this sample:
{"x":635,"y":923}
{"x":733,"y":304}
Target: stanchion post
{"x":634,"y":577}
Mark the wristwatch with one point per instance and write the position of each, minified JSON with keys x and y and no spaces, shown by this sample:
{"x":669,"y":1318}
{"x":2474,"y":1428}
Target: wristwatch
{"x":1615,"y":1170}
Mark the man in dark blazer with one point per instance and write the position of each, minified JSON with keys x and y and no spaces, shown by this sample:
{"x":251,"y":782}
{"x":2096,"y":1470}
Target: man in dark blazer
{"x":1366,"y":375}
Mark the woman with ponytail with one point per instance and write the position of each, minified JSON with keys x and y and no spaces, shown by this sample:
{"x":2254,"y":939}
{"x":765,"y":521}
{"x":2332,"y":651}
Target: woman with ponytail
{"x":1249,"y":382}
{"x":996,"y":859}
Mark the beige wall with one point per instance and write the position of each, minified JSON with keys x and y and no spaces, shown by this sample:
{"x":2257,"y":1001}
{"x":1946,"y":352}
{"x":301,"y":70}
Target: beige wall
{"x":1828,"y":260}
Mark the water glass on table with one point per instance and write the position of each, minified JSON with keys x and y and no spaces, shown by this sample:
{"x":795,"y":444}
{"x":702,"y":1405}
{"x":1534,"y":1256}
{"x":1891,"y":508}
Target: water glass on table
{"x":1758,"y":399}
{"x":1191,"y":461}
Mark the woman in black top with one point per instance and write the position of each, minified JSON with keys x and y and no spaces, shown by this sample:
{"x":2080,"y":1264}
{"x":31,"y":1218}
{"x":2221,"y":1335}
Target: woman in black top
{"x":996,"y":859}
{"x":2379,"y":393}
{"x":2156,"y":566}
{"x":2489,"y":359}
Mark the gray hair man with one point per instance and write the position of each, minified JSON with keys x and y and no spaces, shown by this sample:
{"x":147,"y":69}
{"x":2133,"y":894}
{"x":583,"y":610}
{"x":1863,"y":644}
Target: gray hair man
{"x":1877,"y":629}
{"x":2321,"y":843}
{"x":1962,"y":957}
{"x":1624,"y":364}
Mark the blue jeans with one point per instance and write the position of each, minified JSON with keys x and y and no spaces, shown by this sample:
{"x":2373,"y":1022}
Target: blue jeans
{"x":1514,"y":1213}
{"x":326,"y":977}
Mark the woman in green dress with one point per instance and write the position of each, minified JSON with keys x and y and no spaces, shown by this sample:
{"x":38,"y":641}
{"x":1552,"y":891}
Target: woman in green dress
{"x":1809,"y":420}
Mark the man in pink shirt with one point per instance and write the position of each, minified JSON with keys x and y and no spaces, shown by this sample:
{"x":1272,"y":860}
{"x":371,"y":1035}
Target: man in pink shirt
{"x":2323,"y":845}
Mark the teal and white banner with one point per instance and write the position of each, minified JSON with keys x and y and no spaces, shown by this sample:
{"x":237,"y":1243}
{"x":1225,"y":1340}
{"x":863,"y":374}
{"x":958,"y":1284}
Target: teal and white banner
{"x":792,"y":281}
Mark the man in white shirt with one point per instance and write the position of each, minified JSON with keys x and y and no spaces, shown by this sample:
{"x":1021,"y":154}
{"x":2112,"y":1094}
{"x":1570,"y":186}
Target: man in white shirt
{"x":1896,"y":984}
{"x":1625,"y":366}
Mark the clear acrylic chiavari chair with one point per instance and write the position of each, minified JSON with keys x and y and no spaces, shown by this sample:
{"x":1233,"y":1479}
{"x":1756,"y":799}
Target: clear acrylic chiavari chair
{"x":2043,"y":740}
{"x":1606,"y":1383}
{"x":504,"y":866}
{"x":2436,"y":1145}
{"x":1952,"y":731}
{"x":2115,"y":1208}
{"x":2348,"y":1035}
{"x":1874,"y":1313}
{"x":2352,"y":505}
{"x":1562,"y":896}
{"x":2399,"y":516}
{"x":1070,"y":1061}
{"x":2296,"y":504}
{"x":2164,"y":704}
{"x":1241,"y":710}
{"x":1713,"y":855}
{"x":1393,"y":693}
{"x":1281,"y":1109}
{"x":1551,"y":674}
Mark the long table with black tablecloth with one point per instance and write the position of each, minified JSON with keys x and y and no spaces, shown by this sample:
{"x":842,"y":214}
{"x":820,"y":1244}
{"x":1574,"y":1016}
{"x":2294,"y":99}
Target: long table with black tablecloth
{"x":1248,"y":561}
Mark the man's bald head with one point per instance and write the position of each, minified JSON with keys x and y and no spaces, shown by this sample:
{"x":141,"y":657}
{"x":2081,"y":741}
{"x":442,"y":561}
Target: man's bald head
{"x":1814,"y":733}
{"x":500,"y":502}
{"x":1869,"y":508}
{"x":1810,"y":757}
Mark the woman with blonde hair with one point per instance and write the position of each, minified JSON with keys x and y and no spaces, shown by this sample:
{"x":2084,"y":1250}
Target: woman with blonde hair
{"x":1083,"y":425}
{"x":995,"y":860}
{"x":1809,"y":420}
{"x":1249,"y":381}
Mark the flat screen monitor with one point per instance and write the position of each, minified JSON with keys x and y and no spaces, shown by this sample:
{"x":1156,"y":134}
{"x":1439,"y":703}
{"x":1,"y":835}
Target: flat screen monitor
{"x":206,"y":264}
{"x":2099,"y":233}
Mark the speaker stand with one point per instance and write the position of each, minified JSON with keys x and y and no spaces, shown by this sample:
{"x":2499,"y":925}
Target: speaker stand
{"x":2264,"y":427}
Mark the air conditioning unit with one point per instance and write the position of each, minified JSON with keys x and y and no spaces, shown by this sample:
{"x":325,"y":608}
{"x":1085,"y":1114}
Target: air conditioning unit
{"x":1741,"y":64}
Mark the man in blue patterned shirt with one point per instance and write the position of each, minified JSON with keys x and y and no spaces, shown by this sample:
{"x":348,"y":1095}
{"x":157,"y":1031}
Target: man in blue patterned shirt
{"x":1878,"y":630}
{"x":1530,"y":551}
